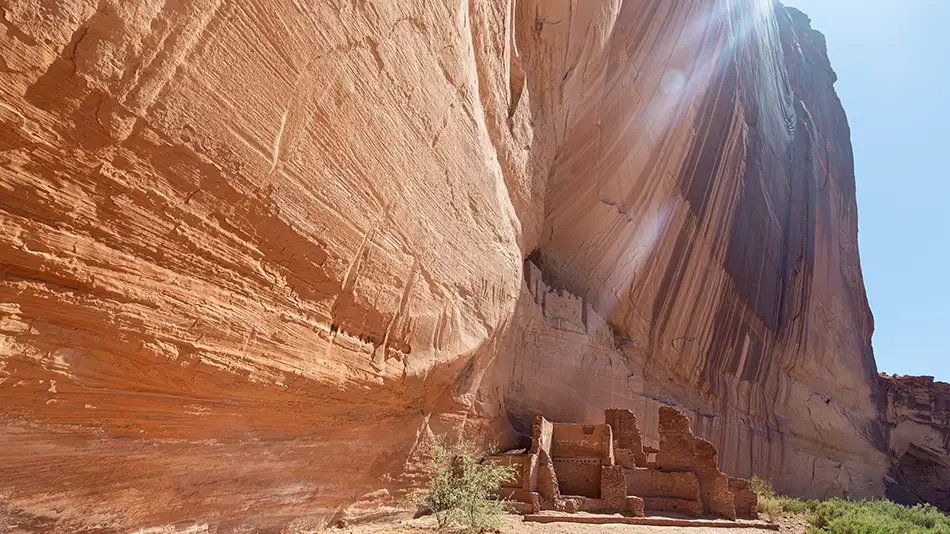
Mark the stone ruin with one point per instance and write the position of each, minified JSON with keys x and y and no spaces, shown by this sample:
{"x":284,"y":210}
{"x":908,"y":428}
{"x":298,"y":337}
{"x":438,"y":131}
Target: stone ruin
{"x":606,"y":468}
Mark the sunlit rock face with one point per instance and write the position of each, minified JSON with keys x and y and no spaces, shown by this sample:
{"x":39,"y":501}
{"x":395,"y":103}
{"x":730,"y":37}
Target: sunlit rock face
{"x":255,"y":253}
{"x":246,"y":249}
{"x":702,"y":203}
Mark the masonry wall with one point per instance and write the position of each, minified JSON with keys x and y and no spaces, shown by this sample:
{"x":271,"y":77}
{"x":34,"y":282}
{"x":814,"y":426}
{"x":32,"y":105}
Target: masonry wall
{"x":681,"y":451}
{"x":564,"y":311}
{"x":746,"y":500}
{"x":646,"y":482}
{"x":578,"y":476}
{"x":581,"y":441}
{"x":522,"y":464}
{"x":626,"y":434}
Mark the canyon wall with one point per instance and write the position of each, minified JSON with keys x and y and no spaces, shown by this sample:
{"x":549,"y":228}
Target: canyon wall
{"x":918,"y":416}
{"x":254,"y":254}
{"x":247,"y":249}
{"x":705,"y":209}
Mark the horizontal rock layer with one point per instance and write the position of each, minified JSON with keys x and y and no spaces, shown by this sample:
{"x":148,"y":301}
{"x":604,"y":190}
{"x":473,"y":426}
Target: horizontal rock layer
{"x":918,"y":417}
{"x":237,"y":244}
{"x":253,"y":254}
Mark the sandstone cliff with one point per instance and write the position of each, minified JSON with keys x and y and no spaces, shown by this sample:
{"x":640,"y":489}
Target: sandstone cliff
{"x":710,"y":219}
{"x":253,"y":253}
{"x":918,"y":416}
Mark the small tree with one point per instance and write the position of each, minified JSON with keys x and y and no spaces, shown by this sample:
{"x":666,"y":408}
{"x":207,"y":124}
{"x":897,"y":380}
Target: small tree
{"x":463,"y":485}
{"x":444,"y":495}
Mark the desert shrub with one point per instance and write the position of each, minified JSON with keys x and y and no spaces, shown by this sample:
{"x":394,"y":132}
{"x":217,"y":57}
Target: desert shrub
{"x":771,"y":508}
{"x":775,"y":506}
{"x":462,"y":486}
{"x":792,"y":505}
{"x":837,"y":516}
{"x":768,"y":503}
{"x":761,"y":487}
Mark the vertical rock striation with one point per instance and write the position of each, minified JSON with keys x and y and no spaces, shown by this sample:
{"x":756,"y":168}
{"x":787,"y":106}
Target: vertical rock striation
{"x":253,"y":254}
{"x":702,"y":204}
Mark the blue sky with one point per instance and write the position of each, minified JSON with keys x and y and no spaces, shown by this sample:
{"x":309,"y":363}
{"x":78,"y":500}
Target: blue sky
{"x":893,"y":65}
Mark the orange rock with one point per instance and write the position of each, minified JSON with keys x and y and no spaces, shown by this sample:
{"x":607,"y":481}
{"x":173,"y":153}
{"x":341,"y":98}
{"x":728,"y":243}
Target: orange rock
{"x":253,"y":255}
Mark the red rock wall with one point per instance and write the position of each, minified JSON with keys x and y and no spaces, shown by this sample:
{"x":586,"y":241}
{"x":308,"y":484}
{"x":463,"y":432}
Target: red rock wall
{"x":253,"y":254}
{"x":918,"y":417}
{"x":705,"y":211}
{"x":247,"y":249}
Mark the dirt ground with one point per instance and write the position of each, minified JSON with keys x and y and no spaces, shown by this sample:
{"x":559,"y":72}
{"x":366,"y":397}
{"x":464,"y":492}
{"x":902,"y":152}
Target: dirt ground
{"x":514,"y":525}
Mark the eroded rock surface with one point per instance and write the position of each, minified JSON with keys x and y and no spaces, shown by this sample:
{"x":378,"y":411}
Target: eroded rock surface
{"x":239,"y":245}
{"x":918,"y":416}
{"x":709,"y":228}
{"x":252,"y":254}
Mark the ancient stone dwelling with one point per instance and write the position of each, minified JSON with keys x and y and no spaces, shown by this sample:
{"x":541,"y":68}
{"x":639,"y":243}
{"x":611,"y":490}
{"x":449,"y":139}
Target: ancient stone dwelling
{"x":605,"y":468}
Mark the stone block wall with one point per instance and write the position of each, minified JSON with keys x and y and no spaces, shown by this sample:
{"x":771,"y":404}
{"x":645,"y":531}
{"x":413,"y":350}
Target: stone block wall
{"x":670,"y":504}
{"x":747,"y":503}
{"x":542,"y":433}
{"x":647,"y":482}
{"x":582,"y":441}
{"x":624,"y":458}
{"x":578,"y":476}
{"x":535,"y":284}
{"x":606,"y":467}
{"x":548,"y":487}
{"x":524,"y":467}
{"x":626,"y":433}
{"x":635,"y":505}
{"x":681,"y":451}
{"x":565,"y":311}
{"x":613,"y":487}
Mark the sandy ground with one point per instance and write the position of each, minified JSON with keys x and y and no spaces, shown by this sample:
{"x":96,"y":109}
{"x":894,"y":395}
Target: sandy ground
{"x":514,"y":525}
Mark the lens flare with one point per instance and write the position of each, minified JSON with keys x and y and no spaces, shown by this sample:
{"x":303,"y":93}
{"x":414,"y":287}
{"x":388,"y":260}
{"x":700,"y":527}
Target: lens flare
{"x":672,"y":82}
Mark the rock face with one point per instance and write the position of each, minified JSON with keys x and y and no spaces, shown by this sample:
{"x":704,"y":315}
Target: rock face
{"x":708,"y":226}
{"x":918,"y":416}
{"x":239,"y":246}
{"x":253,"y":254}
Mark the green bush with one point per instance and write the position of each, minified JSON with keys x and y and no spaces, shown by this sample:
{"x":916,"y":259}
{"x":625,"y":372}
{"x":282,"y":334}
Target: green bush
{"x":792,"y":505}
{"x":775,"y":506}
{"x":836,"y":516}
{"x":462,"y":487}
